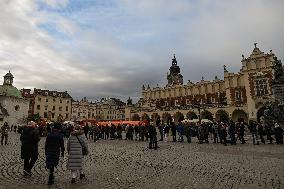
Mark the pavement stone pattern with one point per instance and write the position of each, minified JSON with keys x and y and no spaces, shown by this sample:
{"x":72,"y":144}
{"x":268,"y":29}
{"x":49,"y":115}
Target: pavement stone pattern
{"x":130,"y":164}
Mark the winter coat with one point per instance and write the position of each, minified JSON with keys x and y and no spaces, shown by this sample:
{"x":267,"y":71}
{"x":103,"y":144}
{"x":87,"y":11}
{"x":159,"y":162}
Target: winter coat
{"x":173,"y":128}
{"x":29,"y":139}
{"x":152,"y":131}
{"x":180,"y":129}
{"x":74,"y":148}
{"x":53,"y":145}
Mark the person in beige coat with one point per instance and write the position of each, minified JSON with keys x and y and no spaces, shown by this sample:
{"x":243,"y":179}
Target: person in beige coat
{"x":77,"y":148}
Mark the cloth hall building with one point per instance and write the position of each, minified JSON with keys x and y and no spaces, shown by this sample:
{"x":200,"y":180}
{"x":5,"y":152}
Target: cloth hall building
{"x":238,"y":96}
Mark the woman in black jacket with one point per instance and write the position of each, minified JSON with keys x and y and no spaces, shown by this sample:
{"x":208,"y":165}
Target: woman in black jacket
{"x":54,"y":144}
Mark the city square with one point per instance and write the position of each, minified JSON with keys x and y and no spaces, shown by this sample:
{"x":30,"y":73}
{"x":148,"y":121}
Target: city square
{"x":158,"y":94}
{"x":130,"y":164}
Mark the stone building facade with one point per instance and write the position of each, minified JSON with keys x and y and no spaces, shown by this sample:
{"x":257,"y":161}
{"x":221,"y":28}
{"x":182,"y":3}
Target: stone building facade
{"x":13,"y":107}
{"x":110,"y":109}
{"x":238,"y":96}
{"x":50,"y":105}
{"x":83,"y":109}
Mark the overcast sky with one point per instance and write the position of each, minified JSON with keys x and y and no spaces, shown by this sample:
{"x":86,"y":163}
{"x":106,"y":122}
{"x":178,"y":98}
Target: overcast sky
{"x":98,"y":48}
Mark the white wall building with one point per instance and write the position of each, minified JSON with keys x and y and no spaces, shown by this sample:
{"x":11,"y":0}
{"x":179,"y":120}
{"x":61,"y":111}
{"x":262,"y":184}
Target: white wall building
{"x":13,"y":107}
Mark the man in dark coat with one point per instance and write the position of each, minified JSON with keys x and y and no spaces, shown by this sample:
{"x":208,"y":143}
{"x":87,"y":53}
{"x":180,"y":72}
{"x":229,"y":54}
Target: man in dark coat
{"x":153,"y":137}
{"x":86,"y":130}
{"x":29,"y":148}
{"x":54,"y":144}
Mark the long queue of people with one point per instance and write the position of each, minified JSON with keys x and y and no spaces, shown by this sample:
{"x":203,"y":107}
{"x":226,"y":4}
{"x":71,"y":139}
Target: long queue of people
{"x":217,"y":132}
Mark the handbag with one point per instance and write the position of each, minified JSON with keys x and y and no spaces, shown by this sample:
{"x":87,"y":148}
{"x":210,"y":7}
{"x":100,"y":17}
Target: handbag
{"x":84,"y":149}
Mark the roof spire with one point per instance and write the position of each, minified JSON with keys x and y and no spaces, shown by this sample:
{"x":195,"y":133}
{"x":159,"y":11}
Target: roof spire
{"x":174,"y":60}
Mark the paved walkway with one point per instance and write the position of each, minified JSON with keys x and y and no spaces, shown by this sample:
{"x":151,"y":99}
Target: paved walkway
{"x":129,"y":164}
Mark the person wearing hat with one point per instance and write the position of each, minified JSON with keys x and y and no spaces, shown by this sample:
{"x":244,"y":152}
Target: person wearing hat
{"x":4,"y":133}
{"x":54,"y":144}
{"x":77,"y":148}
{"x":29,"y":146}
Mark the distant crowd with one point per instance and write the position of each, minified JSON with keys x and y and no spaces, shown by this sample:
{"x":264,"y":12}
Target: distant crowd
{"x":216,"y":132}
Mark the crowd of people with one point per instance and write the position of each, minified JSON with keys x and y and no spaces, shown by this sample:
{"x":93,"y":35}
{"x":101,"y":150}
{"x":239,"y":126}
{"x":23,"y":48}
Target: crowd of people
{"x":77,"y":136}
{"x":217,"y":132}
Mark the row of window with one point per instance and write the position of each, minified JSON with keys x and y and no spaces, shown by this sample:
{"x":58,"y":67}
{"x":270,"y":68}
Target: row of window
{"x":54,"y":100}
{"x":53,"y":108}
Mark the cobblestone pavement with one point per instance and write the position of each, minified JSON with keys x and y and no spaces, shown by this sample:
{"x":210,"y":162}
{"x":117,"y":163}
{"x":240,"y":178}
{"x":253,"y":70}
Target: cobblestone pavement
{"x":130,"y":164}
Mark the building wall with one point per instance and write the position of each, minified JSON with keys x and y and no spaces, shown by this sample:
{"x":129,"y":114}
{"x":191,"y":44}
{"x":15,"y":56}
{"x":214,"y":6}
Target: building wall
{"x":51,"y":107}
{"x":17,"y":109}
{"x":83,"y":110}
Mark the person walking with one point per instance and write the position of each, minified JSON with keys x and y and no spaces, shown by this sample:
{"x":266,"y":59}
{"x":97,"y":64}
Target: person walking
{"x":77,"y":148}
{"x":86,"y":130}
{"x":29,"y":146}
{"x":4,"y":133}
{"x":54,"y":144}
{"x":153,"y":143}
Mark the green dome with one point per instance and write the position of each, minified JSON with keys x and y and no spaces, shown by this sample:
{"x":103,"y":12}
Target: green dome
{"x":9,"y":90}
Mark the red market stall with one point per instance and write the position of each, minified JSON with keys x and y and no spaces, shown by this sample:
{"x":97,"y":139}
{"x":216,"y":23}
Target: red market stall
{"x":108,"y":123}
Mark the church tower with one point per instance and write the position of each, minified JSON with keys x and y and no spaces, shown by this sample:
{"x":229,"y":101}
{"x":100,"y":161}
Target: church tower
{"x":174,"y":78}
{"x":8,"y":79}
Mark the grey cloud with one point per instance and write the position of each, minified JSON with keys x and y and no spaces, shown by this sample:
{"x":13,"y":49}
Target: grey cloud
{"x":118,"y":59}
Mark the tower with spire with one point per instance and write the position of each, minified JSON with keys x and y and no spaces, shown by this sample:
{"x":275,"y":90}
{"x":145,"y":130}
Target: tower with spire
{"x":8,"y":79}
{"x":175,"y":77}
